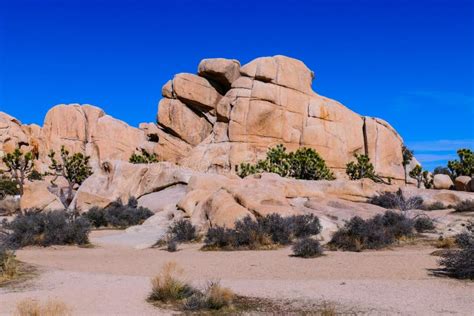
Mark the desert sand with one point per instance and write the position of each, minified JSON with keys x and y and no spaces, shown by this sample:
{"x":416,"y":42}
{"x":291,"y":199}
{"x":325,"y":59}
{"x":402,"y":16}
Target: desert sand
{"x":115,"y":280}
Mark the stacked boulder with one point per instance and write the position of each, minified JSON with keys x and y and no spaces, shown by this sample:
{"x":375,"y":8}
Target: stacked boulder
{"x":230,"y":114}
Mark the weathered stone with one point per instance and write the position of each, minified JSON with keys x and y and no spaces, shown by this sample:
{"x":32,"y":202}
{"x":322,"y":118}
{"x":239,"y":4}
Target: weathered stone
{"x":124,"y":180}
{"x":37,"y":196}
{"x":221,"y":70}
{"x":182,"y":121}
{"x":463,"y":183}
{"x":442,"y":181}
{"x":195,"y":91}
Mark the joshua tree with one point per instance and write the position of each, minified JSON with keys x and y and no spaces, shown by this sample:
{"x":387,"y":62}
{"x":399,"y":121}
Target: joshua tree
{"x":74,"y":168}
{"x":421,"y":176}
{"x":20,"y":166}
{"x":407,"y":157}
{"x":464,"y":166}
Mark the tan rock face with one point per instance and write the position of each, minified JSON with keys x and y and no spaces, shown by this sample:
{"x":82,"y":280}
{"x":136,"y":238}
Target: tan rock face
{"x":463,"y":183}
{"x":271,"y":102}
{"x":37,"y":196}
{"x":442,"y":181}
{"x":213,"y":121}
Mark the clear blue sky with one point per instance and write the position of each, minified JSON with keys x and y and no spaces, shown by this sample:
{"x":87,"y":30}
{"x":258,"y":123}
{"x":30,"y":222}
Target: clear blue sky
{"x":409,"y":62}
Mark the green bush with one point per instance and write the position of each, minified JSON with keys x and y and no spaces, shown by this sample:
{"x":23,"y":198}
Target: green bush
{"x":118,"y":215}
{"x":464,"y":166}
{"x":374,"y":233}
{"x":360,"y":169}
{"x":304,"y":163}
{"x":143,"y":157}
{"x":45,"y":229}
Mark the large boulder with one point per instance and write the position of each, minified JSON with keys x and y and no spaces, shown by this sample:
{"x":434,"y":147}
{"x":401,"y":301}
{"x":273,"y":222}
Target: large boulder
{"x":442,"y":181}
{"x":463,"y":183}
{"x":37,"y":195}
{"x":123,"y":180}
{"x":220,"y":70}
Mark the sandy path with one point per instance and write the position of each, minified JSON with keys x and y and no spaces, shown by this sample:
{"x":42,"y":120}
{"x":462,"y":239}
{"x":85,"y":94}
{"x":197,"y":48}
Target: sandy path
{"x":114,"y":280}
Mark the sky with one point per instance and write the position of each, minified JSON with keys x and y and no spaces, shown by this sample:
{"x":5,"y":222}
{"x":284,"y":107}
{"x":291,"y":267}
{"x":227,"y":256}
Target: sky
{"x":408,"y":62}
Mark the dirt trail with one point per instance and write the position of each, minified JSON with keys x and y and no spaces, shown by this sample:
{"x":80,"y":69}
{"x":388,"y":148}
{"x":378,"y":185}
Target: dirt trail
{"x":114,"y":280}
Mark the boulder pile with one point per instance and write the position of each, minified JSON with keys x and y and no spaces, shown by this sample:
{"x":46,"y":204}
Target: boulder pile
{"x":216,"y":119}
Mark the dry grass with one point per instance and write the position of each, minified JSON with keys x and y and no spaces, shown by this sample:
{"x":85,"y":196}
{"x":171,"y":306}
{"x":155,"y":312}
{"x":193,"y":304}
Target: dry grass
{"x":167,"y":285}
{"x":217,"y":296}
{"x":445,"y":243}
{"x":9,"y":267}
{"x":30,"y":307}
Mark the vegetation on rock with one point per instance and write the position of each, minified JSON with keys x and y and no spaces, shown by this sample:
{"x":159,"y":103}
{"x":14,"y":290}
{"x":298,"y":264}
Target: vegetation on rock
{"x":8,"y":186}
{"x":143,"y":157}
{"x":72,"y":167}
{"x":362,"y":168}
{"x":304,"y":163}
{"x":397,"y":200}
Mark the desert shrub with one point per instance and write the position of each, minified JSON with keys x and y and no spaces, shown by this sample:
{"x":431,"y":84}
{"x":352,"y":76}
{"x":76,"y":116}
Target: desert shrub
{"x":464,"y":166}
{"x":219,"y":237}
{"x":445,"y":243}
{"x":275,"y":226}
{"x":9,"y":268}
{"x":464,"y":206}
{"x":143,"y":157}
{"x":304,"y":163}
{"x":172,"y":245}
{"x":168,"y":287}
{"x":45,"y":229}
{"x":360,"y":169}
{"x":375,"y":233}
{"x":465,"y":239}
{"x":118,"y":215}
{"x":423,"y":224}
{"x":96,"y":217}
{"x":270,"y":230}
{"x":9,"y":186}
{"x":217,"y":297}
{"x":304,"y":225}
{"x":30,"y":307}
{"x":307,"y":248}
{"x":182,"y":231}
{"x":397,"y":200}
{"x":434,"y":206}
{"x":460,"y":263}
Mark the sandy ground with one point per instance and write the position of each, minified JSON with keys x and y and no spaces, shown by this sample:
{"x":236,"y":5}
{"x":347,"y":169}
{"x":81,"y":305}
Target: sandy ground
{"x":115,"y":280}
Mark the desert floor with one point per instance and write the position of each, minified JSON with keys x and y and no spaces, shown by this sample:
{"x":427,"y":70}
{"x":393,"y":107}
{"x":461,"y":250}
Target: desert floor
{"x":115,"y":280}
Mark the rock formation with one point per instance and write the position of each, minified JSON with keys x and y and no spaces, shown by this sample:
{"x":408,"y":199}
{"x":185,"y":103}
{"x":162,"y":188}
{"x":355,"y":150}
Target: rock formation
{"x":217,"y":119}
{"x":229,"y":114}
